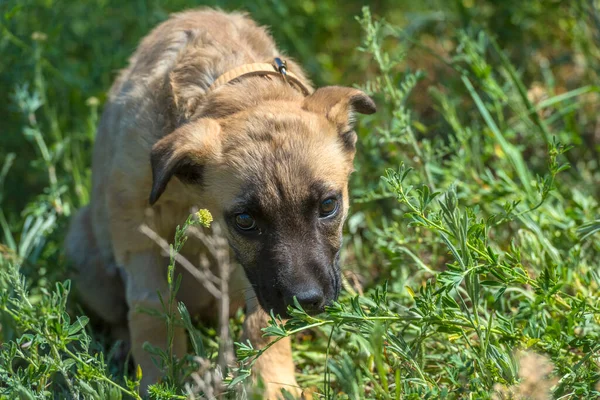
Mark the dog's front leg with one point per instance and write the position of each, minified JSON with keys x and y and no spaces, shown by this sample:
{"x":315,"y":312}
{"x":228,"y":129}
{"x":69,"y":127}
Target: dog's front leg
{"x":146,"y":277}
{"x":275,"y":366}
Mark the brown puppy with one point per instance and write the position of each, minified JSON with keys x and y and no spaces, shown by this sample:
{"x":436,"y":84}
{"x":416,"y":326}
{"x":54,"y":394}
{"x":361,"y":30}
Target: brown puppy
{"x":185,"y":127}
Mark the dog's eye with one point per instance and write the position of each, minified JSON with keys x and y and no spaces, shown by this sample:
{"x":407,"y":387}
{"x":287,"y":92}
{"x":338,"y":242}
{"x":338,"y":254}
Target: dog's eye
{"x":245,"y":222}
{"x":328,"y":208}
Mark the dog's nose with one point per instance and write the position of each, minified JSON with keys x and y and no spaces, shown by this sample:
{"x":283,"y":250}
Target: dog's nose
{"x":311,"y":299}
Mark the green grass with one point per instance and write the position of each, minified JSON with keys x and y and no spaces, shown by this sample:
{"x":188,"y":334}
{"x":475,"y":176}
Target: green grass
{"x":473,"y":243}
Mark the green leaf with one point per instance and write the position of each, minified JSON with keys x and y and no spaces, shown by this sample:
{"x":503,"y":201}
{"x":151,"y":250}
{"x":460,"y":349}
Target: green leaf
{"x":78,"y":325}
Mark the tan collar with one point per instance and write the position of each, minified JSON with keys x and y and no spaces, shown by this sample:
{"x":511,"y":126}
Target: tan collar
{"x":278,"y":68}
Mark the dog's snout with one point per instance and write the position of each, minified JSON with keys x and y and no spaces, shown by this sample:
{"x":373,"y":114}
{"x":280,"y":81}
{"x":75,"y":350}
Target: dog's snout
{"x":310,"y":297}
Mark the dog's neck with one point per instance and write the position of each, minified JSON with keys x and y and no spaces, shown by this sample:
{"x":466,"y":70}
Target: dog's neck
{"x":247,"y":93}
{"x":278,"y":69}
{"x":230,"y":94}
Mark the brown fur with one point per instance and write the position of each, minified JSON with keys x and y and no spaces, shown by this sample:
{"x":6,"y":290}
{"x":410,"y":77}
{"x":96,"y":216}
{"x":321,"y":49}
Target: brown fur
{"x":165,"y":145}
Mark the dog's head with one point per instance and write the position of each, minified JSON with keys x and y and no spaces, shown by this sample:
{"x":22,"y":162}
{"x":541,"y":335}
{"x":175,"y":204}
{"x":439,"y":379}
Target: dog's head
{"x":276,"y":175}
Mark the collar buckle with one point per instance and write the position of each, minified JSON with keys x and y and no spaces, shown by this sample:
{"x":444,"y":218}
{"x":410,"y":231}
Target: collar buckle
{"x":281,"y":67}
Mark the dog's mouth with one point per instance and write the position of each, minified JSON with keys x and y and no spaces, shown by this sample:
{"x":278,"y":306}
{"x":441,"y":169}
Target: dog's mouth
{"x":313,"y":299}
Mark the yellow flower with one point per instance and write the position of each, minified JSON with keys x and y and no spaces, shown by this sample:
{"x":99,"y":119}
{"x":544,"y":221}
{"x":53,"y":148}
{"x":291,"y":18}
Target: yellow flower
{"x":204,"y":217}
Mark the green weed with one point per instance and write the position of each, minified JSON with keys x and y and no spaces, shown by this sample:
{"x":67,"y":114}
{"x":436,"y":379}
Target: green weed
{"x":472,"y":244}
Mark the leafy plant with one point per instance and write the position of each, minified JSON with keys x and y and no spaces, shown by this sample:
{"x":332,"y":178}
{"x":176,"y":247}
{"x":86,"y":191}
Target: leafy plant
{"x":472,"y":243}
{"x":51,"y":347}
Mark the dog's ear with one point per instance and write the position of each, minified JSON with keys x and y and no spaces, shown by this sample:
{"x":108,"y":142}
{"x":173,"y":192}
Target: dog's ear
{"x":184,"y":153}
{"x":339,"y":104}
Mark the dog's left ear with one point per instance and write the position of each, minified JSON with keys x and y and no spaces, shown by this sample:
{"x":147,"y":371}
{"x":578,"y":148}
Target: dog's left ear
{"x":339,"y":104}
{"x":184,"y":153}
